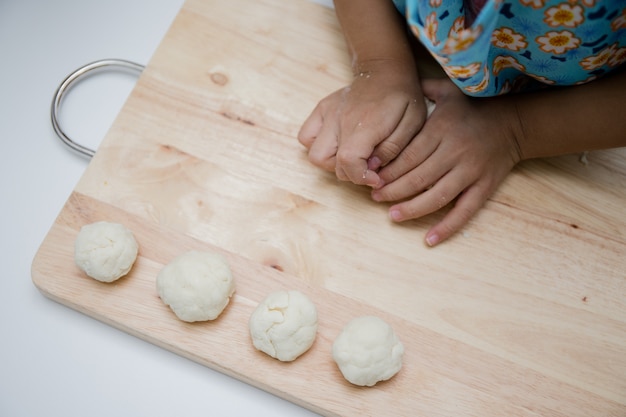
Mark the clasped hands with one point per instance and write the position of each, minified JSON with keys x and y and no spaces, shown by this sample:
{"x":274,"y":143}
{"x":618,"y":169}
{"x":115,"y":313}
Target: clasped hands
{"x":376,"y":132}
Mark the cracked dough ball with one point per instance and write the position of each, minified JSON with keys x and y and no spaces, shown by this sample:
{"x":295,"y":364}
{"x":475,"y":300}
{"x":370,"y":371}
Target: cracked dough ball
{"x":196,"y":285}
{"x":105,"y":251}
{"x":284,"y":325}
{"x":368,"y":351}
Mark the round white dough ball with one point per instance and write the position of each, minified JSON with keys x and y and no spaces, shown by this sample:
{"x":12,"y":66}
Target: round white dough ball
{"x":196,"y":285}
{"x":368,"y":351}
{"x":284,"y":325}
{"x":105,"y":251}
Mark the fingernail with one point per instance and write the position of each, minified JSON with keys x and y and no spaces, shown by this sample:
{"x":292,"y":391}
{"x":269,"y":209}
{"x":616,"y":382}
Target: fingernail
{"x":373,"y":163}
{"x":395,"y":215}
{"x":371,"y":179}
{"x":432,"y":239}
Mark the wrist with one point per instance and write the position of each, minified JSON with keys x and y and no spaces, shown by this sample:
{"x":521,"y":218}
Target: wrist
{"x":382,"y":63}
{"x":519,"y":129}
{"x":503,"y":112}
{"x":391,"y":71}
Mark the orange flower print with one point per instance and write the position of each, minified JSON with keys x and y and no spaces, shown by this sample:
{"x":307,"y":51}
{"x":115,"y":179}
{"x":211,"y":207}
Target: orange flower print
{"x":458,"y":71}
{"x":589,"y":79}
{"x":503,"y":61}
{"x":481,"y":86}
{"x":586,"y":3}
{"x":618,"y":57}
{"x":507,"y":38}
{"x":564,"y":15}
{"x":506,"y":88}
{"x":430,"y":28}
{"x":416,"y":31}
{"x":457,"y":26}
{"x":558,"y":42}
{"x":535,"y":4}
{"x":541,"y":79}
{"x":435,"y":3}
{"x":461,"y":40}
{"x":442,"y":60}
{"x":619,"y":22}
{"x":593,"y":62}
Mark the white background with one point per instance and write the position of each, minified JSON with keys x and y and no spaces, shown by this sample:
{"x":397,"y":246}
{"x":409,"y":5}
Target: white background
{"x":55,"y":361}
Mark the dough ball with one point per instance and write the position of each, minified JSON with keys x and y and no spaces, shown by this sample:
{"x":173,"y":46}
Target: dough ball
{"x":284,"y":325}
{"x":105,"y":251}
{"x":368,"y":351}
{"x":196,"y":285}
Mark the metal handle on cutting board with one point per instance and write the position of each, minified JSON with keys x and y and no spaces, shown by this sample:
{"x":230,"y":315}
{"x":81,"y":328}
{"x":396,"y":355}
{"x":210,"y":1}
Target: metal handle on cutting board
{"x":77,"y":75}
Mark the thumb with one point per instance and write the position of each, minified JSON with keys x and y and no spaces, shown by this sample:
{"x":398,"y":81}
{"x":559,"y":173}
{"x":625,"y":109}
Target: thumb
{"x":311,"y":128}
{"x":432,"y":88}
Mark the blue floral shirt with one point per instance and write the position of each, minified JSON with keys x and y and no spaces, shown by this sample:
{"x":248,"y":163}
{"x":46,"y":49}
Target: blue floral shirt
{"x":521,"y":45}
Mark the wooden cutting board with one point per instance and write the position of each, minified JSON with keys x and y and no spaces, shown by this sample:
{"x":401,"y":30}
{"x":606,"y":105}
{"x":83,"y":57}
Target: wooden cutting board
{"x":521,"y":314}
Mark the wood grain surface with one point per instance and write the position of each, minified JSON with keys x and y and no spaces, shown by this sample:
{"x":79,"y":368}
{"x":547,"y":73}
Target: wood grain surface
{"x":523,"y":313}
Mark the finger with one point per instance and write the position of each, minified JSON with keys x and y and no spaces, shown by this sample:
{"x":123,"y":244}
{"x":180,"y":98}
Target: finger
{"x":352,"y":163}
{"x":465,"y":208}
{"x":368,"y":177}
{"x":311,"y":128}
{"x":431,"y":200}
{"x":412,"y":183}
{"x":394,"y":146}
{"x":433,"y":87}
{"x":324,"y":148}
{"x":416,"y":153}
{"x":408,"y":126}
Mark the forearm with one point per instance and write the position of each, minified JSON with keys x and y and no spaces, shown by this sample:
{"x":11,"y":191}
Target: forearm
{"x":375,"y":34}
{"x":572,"y":119}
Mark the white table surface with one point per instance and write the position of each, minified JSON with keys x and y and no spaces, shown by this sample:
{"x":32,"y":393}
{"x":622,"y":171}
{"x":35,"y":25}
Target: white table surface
{"x":55,"y":361}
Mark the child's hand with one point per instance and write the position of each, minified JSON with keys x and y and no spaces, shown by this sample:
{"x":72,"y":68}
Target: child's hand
{"x":465,"y":150}
{"x":356,"y":130}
